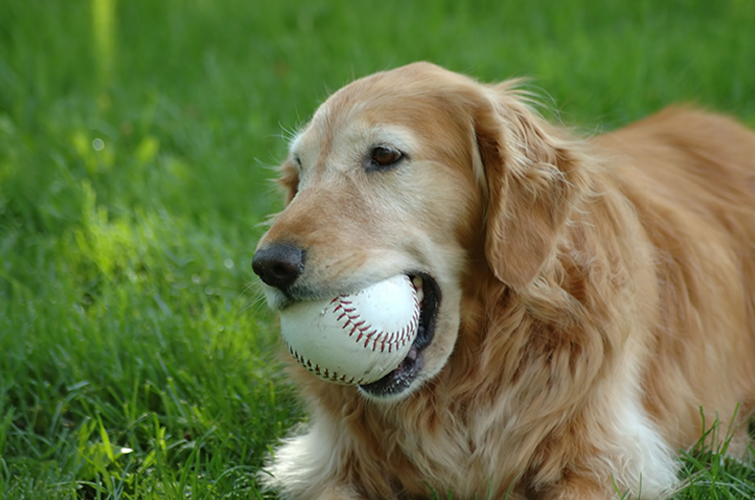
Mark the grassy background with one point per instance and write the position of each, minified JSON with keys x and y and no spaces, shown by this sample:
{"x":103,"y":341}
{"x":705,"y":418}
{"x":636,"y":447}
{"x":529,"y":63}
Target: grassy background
{"x":136,"y":361}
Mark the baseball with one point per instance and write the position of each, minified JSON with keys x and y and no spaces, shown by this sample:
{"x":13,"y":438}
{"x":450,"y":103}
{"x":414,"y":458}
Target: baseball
{"x":357,"y":338}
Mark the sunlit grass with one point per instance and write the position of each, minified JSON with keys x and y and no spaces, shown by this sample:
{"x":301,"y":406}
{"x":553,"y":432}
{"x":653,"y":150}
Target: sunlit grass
{"x":103,"y":31}
{"x":136,"y":360}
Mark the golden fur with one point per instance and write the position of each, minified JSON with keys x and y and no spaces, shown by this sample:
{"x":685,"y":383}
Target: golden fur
{"x":596,"y":293}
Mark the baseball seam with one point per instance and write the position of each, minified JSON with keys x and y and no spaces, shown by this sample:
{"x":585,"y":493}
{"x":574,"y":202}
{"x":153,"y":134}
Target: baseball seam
{"x":315,"y":369}
{"x":350,"y":317}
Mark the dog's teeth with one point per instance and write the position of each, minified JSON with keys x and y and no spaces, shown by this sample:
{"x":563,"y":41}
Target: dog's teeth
{"x":417,"y":282}
{"x":411,"y":355}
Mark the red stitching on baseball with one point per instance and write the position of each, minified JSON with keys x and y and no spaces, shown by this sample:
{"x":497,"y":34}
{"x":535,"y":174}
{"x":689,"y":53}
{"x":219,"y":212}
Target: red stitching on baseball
{"x":397,"y":339}
{"x":307,"y":365}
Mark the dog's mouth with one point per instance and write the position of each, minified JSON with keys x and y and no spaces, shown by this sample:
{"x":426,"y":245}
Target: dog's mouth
{"x":407,"y":371}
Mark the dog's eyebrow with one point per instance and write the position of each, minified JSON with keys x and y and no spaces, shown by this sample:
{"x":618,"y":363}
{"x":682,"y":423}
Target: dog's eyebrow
{"x":399,"y":137}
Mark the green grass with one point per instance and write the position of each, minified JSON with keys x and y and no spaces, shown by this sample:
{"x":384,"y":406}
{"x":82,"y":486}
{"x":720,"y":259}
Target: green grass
{"x":136,"y":360}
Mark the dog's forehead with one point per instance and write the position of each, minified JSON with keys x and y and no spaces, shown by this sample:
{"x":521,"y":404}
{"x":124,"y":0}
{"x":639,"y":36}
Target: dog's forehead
{"x":399,"y":108}
{"x":409,"y":90}
{"x":335,"y":133}
{"x":362,"y":126}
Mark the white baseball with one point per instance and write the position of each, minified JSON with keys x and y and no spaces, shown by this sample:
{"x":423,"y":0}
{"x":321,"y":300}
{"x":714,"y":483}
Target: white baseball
{"x":357,"y":338}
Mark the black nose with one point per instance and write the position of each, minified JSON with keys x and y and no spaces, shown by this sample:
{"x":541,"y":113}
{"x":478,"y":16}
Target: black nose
{"x":279,"y":264}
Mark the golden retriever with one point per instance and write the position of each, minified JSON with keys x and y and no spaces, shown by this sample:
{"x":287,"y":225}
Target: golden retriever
{"x":587,"y":301}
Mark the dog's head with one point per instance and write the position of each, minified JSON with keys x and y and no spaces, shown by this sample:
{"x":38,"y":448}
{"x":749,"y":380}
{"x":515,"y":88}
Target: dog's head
{"x":424,"y":172}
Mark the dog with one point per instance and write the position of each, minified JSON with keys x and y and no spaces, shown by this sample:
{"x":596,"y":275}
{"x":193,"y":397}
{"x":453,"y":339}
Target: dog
{"x":589,"y":303}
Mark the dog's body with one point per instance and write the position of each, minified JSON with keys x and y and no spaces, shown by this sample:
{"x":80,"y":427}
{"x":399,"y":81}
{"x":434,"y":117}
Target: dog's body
{"x":592,"y":295}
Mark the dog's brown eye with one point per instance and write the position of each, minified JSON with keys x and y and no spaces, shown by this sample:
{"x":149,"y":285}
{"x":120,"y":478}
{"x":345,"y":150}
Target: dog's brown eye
{"x":383,"y":157}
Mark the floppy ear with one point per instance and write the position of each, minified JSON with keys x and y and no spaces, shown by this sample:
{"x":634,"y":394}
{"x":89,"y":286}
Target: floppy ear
{"x":532,"y":177}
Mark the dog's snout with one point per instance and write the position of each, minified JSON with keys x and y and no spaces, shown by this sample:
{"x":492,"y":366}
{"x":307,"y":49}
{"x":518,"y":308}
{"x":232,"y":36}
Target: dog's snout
{"x":279,"y":264}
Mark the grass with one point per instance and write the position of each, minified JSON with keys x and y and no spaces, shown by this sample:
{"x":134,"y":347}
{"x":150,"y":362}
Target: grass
{"x":136,"y":361}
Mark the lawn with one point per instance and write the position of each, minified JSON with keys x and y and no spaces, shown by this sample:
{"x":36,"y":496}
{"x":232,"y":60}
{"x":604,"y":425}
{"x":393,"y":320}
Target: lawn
{"x":137,"y":358}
